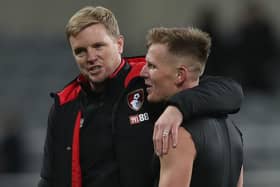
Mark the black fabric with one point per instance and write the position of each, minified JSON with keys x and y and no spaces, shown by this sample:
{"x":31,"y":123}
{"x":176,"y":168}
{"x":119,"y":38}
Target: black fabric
{"x":114,"y":152}
{"x":213,"y":96}
{"x":219,"y":146}
{"x":219,"y":152}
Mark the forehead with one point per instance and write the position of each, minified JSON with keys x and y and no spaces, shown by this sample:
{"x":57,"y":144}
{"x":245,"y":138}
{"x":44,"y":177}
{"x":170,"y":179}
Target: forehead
{"x":157,"y":52}
{"x":92,"y":33}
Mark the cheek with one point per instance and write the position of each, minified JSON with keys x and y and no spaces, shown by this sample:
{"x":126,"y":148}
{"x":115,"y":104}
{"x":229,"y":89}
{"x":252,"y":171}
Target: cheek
{"x":80,"y":63}
{"x":158,"y":85}
{"x":160,"y":89}
{"x":111,"y":57}
{"x":162,"y":86}
{"x":79,"y":60}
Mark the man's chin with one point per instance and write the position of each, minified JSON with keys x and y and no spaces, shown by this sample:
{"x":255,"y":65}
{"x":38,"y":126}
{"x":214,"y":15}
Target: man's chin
{"x":97,"y":80}
{"x":152,"y":99}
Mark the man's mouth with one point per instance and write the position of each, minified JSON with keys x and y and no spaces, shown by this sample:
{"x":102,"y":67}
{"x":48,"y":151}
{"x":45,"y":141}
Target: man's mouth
{"x":94,"y":69}
{"x":148,"y":87}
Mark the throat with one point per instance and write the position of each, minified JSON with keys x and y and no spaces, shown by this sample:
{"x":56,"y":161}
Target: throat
{"x":98,"y":87}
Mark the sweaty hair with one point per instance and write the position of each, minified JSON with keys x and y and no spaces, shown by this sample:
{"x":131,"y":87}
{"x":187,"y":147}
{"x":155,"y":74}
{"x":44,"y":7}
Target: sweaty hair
{"x":183,"y":42}
{"x":88,"y":16}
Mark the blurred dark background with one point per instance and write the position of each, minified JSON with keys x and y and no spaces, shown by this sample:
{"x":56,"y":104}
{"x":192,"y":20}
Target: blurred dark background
{"x":35,"y":59}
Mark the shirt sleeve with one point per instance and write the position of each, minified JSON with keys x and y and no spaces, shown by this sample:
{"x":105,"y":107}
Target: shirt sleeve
{"x":45,"y":180}
{"x":213,"y":96}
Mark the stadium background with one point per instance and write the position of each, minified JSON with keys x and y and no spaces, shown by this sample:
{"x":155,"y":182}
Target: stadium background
{"x":35,"y":59}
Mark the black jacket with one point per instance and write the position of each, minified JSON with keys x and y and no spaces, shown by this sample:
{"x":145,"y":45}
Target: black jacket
{"x":105,"y":140}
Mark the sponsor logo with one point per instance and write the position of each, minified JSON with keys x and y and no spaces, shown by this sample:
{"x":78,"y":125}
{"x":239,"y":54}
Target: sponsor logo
{"x":135,"y":99}
{"x":138,"y":118}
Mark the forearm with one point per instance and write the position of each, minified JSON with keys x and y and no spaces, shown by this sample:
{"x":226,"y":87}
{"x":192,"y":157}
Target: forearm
{"x":214,"y":95}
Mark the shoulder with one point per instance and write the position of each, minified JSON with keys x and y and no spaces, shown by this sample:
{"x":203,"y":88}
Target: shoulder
{"x":204,"y":129}
{"x":70,"y":92}
{"x":213,"y":130}
{"x":136,"y":64}
{"x":200,"y":123}
{"x":208,"y":125}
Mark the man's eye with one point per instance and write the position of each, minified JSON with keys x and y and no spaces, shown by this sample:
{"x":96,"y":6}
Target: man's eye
{"x":98,"y":45}
{"x":79,"y":51}
{"x":151,"y":66}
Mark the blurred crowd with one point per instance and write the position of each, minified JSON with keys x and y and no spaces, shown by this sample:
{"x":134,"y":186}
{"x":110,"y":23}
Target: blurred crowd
{"x":12,"y":151}
{"x":249,"y":53}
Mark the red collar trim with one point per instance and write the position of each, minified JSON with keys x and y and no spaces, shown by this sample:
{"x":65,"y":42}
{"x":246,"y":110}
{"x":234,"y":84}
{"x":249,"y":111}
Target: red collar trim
{"x":76,"y":168}
{"x":71,"y":91}
{"x":118,"y":69}
{"x":136,"y":64}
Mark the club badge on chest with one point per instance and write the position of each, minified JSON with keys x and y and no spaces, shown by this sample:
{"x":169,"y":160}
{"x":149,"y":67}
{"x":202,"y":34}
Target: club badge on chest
{"x":135,"y":99}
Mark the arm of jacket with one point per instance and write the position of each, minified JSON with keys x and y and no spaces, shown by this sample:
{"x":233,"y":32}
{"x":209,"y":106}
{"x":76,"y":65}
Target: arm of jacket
{"x":213,"y":96}
{"x":46,"y":170}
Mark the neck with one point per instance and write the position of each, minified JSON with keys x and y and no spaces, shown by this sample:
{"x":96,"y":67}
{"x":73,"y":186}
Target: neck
{"x":189,"y":84}
{"x":118,"y":68}
{"x":98,"y":87}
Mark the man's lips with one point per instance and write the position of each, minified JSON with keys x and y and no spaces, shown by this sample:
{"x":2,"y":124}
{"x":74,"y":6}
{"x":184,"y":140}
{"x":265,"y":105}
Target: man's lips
{"x":148,"y":86}
{"x":94,"y":69}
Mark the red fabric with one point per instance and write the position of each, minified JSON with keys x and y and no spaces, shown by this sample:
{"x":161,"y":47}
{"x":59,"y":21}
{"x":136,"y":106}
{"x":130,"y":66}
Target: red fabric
{"x":136,"y":60}
{"x":118,"y":69}
{"x":76,"y":168}
{"x":137,"y":64}
{"x":71,"y":91}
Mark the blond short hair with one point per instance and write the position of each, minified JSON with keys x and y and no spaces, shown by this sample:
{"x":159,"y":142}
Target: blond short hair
{"x":183,"y":42}
{"x":90,"y":15}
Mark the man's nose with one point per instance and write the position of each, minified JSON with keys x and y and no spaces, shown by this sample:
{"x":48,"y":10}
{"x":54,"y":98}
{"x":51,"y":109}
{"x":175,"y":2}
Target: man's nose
{"x":92,"y":56}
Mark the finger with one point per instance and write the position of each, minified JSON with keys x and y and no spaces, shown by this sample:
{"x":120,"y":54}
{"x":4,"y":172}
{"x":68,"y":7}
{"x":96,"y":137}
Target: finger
{"x":154,"y":138}
{"x":158,"y":145}
{"x":174,"y":135}
{"x":157,"y":141}
{"x":165,"y":143}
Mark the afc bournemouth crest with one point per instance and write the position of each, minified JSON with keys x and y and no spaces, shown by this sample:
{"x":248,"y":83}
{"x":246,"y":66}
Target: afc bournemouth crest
{"x":135,"y":99}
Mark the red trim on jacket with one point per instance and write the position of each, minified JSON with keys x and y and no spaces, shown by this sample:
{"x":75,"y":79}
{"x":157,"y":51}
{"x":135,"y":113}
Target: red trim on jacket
{"x":118,"y":69}
{"x":76,"y":168}
{"x":71,"y":91}
{"x":136,"y":67}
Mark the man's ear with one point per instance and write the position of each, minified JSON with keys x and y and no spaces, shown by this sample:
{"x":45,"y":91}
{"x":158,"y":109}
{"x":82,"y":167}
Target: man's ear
{"x":120,"y":42}
{"x":181,"y":75}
